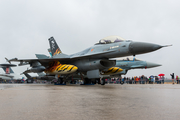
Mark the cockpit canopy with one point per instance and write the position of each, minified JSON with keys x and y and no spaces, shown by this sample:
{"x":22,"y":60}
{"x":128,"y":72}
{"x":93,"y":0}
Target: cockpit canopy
{"x":129,"y":59}
{"x":111,"y":39}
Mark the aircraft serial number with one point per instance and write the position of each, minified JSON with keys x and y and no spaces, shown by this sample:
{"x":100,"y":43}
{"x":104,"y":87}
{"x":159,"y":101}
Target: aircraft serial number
{"x":114,"y":47}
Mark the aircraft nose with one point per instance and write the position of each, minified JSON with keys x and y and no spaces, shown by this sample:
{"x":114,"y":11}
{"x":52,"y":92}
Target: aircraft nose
{"x":142,"y":47}
{"x":151,"y":65}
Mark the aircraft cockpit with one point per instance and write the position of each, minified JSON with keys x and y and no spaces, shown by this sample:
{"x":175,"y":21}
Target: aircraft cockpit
{"x":129,"y":59}
{"x":111,"y":39}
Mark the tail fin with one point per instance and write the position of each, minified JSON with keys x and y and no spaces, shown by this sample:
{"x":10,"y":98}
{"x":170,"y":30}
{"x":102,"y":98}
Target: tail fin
{"x":54,"y":47}
{"x":7,"y":68}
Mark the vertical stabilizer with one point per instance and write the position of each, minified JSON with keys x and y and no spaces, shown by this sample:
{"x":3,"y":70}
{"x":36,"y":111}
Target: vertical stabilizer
{"x":7,"y":68}
{"x":54,"y":47}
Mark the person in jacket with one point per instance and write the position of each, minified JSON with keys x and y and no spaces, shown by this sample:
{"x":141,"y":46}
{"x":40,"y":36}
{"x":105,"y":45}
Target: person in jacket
{"x":177,"y":79}
{"x":172,"y":77}
{"x":162,"y":79}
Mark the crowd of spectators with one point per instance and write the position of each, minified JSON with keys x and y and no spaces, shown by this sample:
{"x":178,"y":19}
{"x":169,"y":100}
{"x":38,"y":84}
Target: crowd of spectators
{"x":141,"y":80}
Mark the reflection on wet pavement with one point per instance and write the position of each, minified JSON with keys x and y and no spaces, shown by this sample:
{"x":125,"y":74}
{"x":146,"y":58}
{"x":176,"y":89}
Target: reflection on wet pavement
{"x":50,"y":102}
{"x":5,"y":86}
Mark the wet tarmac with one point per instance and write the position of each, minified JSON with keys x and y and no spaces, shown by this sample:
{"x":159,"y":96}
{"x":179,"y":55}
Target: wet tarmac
{"x":92,"y":102}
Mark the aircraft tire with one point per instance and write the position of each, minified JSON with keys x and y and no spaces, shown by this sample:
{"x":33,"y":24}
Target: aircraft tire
{"x":99,"y":81}
{"x":93,"y":81}
{"x":103,"y":82}
{"x":85,"y":81}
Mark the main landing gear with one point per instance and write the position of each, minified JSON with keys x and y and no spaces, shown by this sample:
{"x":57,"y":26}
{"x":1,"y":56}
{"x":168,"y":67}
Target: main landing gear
{"x":102,"y":81}
{"x":90,"y":81}
{"x":61,"y":81}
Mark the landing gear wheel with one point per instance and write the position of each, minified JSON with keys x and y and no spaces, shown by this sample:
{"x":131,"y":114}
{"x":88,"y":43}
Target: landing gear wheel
{"x":85,"y":81}
{"x":93,"y":81}
{"x":60,"y":80}
{"x":99,"y":81}
{"x":122,"y":82}
{"x":102,"y":81}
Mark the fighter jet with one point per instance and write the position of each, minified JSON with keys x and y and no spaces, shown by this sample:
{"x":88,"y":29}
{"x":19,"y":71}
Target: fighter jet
{"x":131,"y":63}
{"x":91,"y":61}
{"x":9,"y":73}
{"x":123,"y":65}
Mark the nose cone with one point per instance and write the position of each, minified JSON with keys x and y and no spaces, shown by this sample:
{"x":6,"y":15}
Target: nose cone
{"x":151,"y":65}
{"x":142,"y":47}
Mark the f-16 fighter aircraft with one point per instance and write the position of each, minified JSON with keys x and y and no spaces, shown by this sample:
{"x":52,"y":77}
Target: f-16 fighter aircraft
{"x":125,"y":64}
{"x":91,"y":62}
{"x":131,"y":63}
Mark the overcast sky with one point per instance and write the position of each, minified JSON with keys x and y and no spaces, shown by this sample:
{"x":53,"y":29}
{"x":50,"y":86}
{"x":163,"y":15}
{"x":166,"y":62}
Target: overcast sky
{"x":26,"y":25}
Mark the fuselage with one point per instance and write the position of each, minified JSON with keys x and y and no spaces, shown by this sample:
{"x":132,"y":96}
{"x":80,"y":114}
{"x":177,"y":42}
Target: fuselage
{"x":100,"y":51}
{"x":92,"y":58}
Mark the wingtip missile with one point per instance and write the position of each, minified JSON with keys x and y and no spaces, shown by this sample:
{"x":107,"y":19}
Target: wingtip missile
{"x":9,"y":61}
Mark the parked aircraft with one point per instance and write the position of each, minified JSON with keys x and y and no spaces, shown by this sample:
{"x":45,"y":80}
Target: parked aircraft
{"x":91,"y":62}
{"x":9,"y":73}
{"x":125,"y":64}
{"x":132,"y":63}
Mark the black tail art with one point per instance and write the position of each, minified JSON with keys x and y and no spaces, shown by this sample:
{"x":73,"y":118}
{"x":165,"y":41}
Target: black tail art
{"x":54,"y":47}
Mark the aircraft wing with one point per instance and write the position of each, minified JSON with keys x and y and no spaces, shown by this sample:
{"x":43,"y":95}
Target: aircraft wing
{"x":46,"y":61}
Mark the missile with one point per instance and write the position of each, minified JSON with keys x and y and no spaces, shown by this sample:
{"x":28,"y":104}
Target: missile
{"x":37,"y":69}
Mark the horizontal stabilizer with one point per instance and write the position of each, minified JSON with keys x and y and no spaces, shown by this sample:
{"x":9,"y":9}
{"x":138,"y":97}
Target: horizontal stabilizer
{"x":27,"y":75}
{"x":8,"y":65}
{"x":7,"y":75}
{"x":41,"y":56}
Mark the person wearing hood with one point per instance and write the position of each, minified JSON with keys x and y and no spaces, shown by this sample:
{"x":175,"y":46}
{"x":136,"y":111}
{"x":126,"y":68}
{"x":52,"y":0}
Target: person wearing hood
{"x":172,"y":77}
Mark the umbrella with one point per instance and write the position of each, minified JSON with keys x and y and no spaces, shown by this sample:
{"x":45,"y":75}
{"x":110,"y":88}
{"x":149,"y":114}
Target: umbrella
{"x":161,"y":74}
